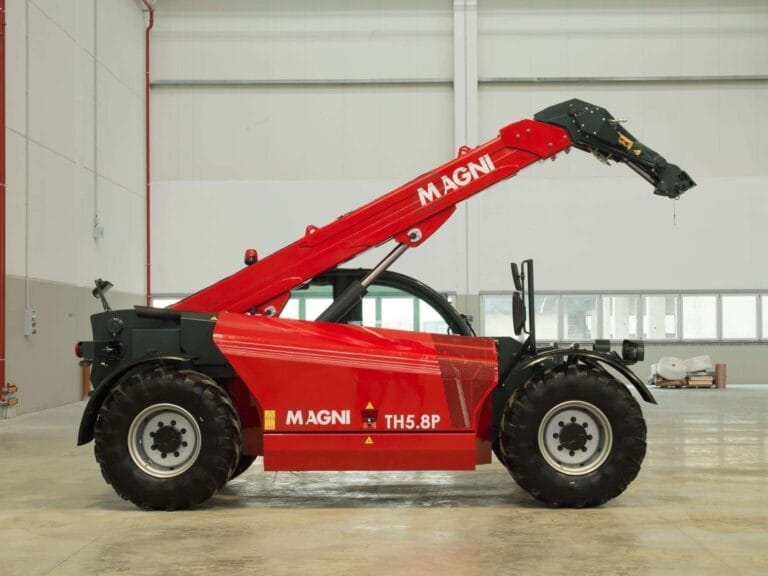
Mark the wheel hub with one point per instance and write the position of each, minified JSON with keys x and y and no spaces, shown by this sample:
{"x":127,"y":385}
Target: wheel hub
{"x":164,"y":440}
{"x":575,"y":437}
{"x":167,"y":439}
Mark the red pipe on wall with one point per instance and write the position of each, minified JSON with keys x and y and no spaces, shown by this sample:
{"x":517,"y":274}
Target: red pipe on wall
{"x":147,"y":150}
{"x":2,"y":193}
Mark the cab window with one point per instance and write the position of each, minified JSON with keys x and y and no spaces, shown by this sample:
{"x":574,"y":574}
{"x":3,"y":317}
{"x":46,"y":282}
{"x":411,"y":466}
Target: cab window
{"x":382,"y":307}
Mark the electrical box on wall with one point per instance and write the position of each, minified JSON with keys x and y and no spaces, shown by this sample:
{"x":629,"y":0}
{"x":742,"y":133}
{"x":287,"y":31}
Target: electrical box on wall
{"x":30,"y":322}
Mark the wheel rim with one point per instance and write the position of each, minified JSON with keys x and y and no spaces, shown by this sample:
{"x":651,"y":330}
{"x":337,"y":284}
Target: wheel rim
{"x":575,"y":437}
{"x":164,"y":440}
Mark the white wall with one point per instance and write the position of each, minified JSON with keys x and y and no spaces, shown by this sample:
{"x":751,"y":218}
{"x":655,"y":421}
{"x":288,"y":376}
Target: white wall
{"x":56,"y":142}
{"x":576,"y":208}
{"x":55,"y":211}
{"x":240,"y":166}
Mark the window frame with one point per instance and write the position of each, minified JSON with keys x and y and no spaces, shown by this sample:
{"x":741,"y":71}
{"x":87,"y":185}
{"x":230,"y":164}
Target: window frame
{"x":761,"y":303}
{"x":761,"y":297}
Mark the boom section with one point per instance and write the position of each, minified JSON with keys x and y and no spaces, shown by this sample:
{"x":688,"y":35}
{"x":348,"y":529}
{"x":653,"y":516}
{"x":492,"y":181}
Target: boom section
{"x":409,"y":214}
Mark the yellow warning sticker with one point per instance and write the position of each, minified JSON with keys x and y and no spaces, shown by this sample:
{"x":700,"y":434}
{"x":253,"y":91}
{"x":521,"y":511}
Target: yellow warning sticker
{"x":269,"y":419}
{"x":624,"y":141}
{"x":369,"y":441}
{"x":369,"y":406}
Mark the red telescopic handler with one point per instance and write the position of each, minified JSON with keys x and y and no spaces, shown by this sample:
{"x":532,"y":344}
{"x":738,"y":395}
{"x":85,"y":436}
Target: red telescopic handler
{"x":185,"y":398}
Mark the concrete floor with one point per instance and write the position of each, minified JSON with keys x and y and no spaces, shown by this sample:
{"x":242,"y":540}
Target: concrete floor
{"x":699,"y":506}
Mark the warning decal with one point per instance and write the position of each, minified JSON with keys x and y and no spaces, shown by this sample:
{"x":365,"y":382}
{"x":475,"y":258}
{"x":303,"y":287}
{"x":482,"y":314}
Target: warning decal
{"x":269,"y":419}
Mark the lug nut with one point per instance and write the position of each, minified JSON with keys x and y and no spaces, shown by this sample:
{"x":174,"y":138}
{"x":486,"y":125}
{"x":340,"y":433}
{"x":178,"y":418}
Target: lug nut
{"x":159,"y":424}
{"x":571,"y":453}
{"x":163,"y":455}
{"x":573,"y":419}
{"x":589,"y":436}
{"x":555,"y":435}
{"x":151,"y":434}
{"x":584,"y":449}
{"x":183,"y":430}
{"x":176,"y":454}
{"x":173,"y":422}
{"x":153,"y":447}
{"x":561,"y":424}
{"x":184,"y":444}
{"x":559,"y":447}
{"x":585,"y":424}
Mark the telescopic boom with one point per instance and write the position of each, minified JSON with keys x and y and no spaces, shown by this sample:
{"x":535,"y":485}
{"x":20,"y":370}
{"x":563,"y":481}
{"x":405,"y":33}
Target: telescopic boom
{"x":413,"y":212}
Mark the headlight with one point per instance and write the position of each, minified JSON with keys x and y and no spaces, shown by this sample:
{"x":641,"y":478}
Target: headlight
{"x":633,"y":351}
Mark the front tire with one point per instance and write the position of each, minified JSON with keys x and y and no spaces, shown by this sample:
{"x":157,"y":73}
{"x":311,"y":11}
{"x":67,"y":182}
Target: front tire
{"x":167,"y":439}
{"x":243,"y":464}
{"x":573,"y":437}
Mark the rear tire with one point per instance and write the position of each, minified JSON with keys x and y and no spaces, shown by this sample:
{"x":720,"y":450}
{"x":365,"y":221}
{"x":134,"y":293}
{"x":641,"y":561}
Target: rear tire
{"x":167,"y":439}
{"x":573,"y":437}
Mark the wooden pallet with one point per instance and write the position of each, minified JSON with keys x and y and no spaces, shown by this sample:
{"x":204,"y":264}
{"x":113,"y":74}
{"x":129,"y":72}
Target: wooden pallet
{"x":701,"y":381}
{"x":689,"y":382}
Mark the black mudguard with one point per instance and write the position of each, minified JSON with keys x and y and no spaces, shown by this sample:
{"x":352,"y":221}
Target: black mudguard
{"x":594,"y":358}
{"x":121,"y":374}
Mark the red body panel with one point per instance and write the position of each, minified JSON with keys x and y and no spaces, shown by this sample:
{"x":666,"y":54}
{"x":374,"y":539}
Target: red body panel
{"x":391,"y":216}
{"x":314,"y":381}
{"x":375,"y":451}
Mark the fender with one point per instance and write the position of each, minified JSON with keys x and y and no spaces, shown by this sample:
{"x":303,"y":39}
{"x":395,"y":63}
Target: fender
{"x":118,"y":376}
{"x":592,"y":358}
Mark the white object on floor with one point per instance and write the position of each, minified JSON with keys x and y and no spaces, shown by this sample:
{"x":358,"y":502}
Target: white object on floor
{"x":699,"y":364}
{"x":671,"y":368}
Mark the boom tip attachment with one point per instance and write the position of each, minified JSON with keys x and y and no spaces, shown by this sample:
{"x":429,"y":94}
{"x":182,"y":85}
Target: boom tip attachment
{"x":594,"y":129}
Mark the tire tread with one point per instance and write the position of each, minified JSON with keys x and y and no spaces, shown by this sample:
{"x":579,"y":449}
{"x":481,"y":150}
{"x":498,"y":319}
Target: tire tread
{"x":206,"y":476}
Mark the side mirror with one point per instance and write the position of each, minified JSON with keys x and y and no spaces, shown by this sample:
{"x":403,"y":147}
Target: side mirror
{"x":518,"y":313}
{"x":516,"y":278}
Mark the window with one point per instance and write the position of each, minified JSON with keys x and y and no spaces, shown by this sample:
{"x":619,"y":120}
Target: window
{"x":307,"y":303}
{"x":396,"y":313}
{"x":764,"y":306}
{"x":620,"y":317}
{"x":547,"y":317}
{"x":382,"y":307}
{"x":660,"y":317}
{"x":497,"y":315}
{"x":430,"y":320}
{"x":739,"y":316}
{"x":369,"y":311}
{"x":699,"y":317}
{"x":559,"y":317}
{"x":316,"y":301}
{"x":579,"y":317}
{"x":291,"y":310}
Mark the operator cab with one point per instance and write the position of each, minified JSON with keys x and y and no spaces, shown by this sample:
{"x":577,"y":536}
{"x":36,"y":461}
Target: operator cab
{"x":394,"y":300}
